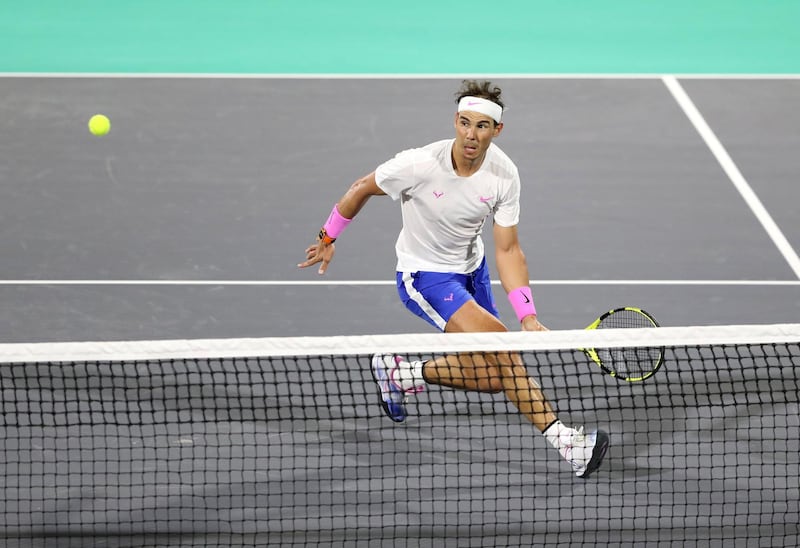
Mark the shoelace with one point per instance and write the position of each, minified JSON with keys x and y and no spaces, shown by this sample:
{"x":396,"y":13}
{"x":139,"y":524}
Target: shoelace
{"x":576,"y":439}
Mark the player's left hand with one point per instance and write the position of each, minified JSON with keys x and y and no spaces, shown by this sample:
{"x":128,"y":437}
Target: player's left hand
{"x":531,"y":323}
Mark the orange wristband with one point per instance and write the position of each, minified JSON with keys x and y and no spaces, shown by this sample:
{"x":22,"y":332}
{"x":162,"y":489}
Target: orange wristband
{"x":324,"y":238}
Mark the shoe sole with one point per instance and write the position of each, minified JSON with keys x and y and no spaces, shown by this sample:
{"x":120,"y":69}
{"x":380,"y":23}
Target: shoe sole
{"x":384,"y":405}
{"x":600,"y":449}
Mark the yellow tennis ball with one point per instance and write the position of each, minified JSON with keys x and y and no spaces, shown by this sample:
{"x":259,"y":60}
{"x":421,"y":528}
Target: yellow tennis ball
{"x":99,"y":124}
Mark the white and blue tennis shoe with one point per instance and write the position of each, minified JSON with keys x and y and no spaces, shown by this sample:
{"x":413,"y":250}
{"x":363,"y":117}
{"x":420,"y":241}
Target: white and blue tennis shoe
{"x":393,"y":397}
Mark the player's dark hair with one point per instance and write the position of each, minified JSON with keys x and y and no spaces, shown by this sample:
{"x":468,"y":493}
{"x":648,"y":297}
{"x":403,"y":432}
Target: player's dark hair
{"x":484,"y":90}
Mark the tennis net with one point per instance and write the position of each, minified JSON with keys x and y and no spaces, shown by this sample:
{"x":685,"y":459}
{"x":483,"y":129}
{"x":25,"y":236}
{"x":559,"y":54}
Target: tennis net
{"x":282,"y":442}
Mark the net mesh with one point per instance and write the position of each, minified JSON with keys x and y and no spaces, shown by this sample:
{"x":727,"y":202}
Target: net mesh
{"x":282,"y":442}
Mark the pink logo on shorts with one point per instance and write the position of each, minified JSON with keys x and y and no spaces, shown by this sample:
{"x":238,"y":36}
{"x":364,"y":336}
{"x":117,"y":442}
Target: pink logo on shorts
{"x":449,"y":298}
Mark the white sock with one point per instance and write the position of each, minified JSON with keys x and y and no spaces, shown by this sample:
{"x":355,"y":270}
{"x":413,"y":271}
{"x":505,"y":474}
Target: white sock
{"x":408,"y":375}
{"x":558,"y":435}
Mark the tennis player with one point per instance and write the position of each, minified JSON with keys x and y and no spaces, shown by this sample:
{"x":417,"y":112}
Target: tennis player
{"x":447,"y":190}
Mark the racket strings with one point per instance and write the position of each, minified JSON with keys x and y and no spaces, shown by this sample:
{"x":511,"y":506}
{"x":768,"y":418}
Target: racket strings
{"x":630,"y":363}
{"x":625,"y":319}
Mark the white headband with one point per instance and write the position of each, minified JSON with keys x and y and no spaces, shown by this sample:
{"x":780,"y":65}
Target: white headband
{"x":484,"y":106}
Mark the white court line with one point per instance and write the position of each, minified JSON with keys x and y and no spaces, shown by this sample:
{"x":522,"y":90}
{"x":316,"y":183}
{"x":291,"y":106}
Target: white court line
{"x":733,"y":173}
{"x":287,"y":283}
{"x":404,"y":76}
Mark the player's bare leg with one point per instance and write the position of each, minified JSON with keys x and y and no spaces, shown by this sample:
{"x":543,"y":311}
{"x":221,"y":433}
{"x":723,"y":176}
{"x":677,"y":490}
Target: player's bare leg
{"x":489,"y":371}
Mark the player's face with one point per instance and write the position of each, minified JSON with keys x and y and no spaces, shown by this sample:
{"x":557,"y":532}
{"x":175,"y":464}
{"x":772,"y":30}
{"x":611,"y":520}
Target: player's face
{"x":474,"y":134}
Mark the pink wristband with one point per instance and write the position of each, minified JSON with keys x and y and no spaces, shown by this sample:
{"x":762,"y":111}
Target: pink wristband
{"x":521,"y":299}
{"x":335,"y":224}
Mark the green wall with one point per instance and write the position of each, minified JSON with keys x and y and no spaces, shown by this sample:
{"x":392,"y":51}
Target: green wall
{"x":405,"y":36}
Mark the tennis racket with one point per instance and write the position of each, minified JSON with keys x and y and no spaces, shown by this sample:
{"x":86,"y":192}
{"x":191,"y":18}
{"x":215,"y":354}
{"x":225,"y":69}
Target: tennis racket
{"x":633,"y":364}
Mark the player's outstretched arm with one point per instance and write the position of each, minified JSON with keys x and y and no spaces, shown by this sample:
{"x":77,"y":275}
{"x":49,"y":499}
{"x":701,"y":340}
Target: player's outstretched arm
{"x":342,"y":214}
{"x":512,"y":268}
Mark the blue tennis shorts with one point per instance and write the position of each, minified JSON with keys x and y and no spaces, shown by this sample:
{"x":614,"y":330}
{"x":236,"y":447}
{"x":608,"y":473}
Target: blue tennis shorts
{"x":435,"y":296}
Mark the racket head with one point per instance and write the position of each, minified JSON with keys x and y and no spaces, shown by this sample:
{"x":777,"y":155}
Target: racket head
{"x":633,"y":364}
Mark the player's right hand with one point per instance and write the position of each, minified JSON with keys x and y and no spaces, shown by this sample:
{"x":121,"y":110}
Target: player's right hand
{"x":319,"y":252}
